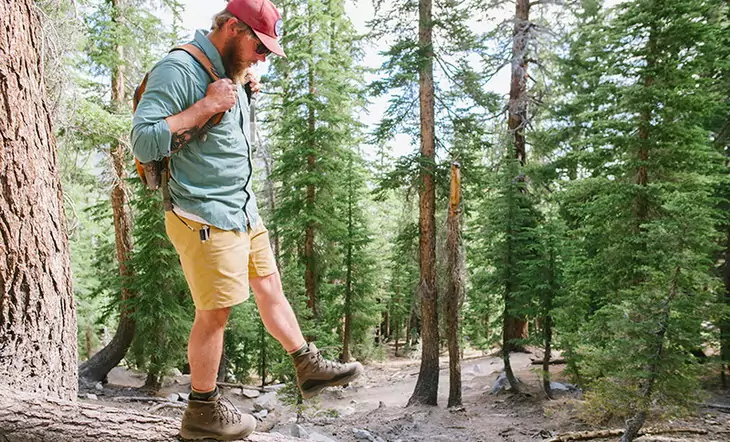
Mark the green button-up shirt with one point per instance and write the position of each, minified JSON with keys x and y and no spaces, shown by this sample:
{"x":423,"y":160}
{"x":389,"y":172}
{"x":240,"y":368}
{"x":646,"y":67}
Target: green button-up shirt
{"x":210,"y":178}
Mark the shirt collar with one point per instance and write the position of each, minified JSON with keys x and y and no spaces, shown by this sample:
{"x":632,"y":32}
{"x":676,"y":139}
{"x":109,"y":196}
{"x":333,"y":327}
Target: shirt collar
{"x":201,"y":39}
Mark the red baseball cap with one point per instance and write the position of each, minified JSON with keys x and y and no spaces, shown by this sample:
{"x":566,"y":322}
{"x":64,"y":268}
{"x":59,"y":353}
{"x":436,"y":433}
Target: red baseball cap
{"x":264,"y":20}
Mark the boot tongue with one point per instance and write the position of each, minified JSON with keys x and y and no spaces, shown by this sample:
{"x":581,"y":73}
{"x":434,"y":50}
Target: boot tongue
{"x":313,"y":348}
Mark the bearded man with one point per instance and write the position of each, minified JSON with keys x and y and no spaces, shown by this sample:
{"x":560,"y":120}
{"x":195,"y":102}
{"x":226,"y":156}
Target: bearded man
{"x":214,"y":222}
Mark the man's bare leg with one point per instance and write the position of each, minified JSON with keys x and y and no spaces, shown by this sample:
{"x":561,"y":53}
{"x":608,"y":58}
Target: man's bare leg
{"x":276,"y":312}
{"x":205,"y":347}
{"x":313,"y":372}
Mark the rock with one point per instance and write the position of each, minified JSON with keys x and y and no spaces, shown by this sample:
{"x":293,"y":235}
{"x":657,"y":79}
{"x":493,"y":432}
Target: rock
{"x":183,"y":396}
{"x":173,"y":397}
{"x":366,"y":435}
{"x":99,"y":387}
{"x":320,"y":438}
{"x":260,"y":415}
{"x":299,"y":431}
{"x":557,"y":386}
{"x":92,"y":397}
{"x":175,"y":372}
{"x":251,"y":394}
{"x":265,"y":402}
{"x":347,"y":411}
{"x":381,"y":404}
{"x":500,"y":384}
{"x":477,"y":368}
{"x":275,"y":387}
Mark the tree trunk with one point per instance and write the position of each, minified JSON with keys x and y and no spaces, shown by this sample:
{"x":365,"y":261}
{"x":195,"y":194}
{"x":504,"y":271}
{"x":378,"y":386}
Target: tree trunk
{"x":515,"y":328}
{"x":426,"y":391}
{"x":310,"y":275}
{"x":725,"y":323}
{"x":98,"y":366}
{"x":347,"y":334}
{"x":28,"y":418}
{"x":37,"y":313}
{"x":455,"y":288}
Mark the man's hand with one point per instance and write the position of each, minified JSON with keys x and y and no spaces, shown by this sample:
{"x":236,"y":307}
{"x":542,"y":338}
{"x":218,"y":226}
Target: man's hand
{"x":253,"y":81}
{"x":221,"y":95}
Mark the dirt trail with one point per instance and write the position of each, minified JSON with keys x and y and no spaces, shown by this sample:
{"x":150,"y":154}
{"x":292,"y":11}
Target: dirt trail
{"x":373,"y":407}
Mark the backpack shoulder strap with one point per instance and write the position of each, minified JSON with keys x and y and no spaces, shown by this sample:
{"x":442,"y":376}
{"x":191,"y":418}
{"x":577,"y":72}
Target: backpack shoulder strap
{"x":206,"y":64}
{"x":201,"y":58}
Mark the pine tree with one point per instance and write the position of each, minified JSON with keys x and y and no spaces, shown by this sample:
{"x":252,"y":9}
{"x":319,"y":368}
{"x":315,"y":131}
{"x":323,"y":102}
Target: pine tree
{"x":313,"y":131}
{"x":112,"y":28}
{"x":644,"y":213}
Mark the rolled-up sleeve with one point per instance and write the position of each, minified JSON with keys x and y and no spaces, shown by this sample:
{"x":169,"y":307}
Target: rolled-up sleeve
{"x":169,"y":91}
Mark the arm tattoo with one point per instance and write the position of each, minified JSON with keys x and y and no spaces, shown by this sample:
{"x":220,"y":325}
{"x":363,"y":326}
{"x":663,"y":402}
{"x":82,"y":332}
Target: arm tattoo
{"x":183,"y":137}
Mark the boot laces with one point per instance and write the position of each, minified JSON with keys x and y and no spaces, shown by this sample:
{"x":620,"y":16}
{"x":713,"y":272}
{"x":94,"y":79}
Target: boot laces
{"x":226,"y":411}
{"x":326,"y":363}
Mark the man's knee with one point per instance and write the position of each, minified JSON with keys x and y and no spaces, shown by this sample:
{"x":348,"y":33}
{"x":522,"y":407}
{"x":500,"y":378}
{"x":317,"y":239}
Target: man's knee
{"x":212,"y":319}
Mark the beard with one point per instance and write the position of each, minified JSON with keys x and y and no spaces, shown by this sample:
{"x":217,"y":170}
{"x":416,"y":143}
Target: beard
{"x":233,"y":62}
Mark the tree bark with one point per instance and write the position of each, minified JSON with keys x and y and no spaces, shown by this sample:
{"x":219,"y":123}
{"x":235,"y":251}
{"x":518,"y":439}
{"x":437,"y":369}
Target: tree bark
{"x":455,"y":287}
{"x":725,"y":323}
{"x":347,"y":333}
{"x":515,"y":328}
{"x":426,"y":391}
{"x":99,"y":365}
{"x":37,"y":313}
{"x":30,"y":418}
{"x":310,"y":275}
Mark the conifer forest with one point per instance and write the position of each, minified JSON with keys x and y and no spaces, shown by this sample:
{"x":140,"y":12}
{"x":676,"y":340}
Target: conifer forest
{"x":514,"y":213}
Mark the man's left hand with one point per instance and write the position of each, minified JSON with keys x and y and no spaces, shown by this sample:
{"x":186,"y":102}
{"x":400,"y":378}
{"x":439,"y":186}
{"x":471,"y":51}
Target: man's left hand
{"x":253,"y":81}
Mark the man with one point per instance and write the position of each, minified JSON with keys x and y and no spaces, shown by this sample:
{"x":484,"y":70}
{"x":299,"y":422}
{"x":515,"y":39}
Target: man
{"x":215,"y":226}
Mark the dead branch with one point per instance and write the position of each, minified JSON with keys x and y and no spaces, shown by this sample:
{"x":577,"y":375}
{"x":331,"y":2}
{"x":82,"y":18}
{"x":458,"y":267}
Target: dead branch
{"x":586,"y":435}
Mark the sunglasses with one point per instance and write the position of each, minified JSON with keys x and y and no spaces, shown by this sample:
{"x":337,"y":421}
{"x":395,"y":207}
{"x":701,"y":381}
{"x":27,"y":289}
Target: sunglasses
{"x":261,"y":49}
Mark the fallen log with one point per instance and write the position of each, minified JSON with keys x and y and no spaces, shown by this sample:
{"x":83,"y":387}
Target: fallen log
{"x":31,"y":418}
{"x":721,"y":407}
{"x":586,"y":435}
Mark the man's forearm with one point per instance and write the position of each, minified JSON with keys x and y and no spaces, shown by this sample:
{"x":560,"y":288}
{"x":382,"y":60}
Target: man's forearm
{"x":187,"y":125}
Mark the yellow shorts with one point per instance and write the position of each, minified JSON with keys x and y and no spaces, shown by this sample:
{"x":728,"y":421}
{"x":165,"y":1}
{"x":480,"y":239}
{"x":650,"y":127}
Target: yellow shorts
{"x":218,"y":269}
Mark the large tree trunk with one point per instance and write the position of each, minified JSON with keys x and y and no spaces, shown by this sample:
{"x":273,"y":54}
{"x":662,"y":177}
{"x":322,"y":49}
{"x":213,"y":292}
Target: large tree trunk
{"x":515,"y":328}
{"x":98,"y":366}
{"x":37,"y":314}
{"x":28,"y":418}
{"x":426,"y":390}
{"x":455,"y":286}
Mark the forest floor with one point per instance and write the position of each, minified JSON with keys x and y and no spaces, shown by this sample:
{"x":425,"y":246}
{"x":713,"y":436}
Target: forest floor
{"x":374,"y":407}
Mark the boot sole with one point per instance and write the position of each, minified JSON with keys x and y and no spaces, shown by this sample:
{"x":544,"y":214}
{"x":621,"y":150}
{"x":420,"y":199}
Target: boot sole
{"x":207,"y":438}
{"x":214,"y":439}
{"x":312,"y":392}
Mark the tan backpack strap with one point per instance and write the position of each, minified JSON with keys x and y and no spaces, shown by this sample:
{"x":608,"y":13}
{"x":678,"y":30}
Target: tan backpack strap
{"x":201,"y":58}
{"x":213,"y":73}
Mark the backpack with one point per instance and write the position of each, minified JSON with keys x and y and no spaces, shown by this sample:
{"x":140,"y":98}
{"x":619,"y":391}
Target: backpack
{"x":156,"y":174}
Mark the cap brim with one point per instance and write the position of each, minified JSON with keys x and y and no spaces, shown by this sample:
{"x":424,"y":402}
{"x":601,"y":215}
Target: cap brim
{"x":271,"y":43}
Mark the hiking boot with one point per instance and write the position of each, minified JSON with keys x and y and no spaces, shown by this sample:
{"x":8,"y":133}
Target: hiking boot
{"x":315,"y":373}
{"x":215,"y":419}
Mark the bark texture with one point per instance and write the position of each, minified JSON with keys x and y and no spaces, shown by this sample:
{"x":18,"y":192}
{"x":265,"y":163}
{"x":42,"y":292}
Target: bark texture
{"x":30,"y":418}
{"x":310,"y":274}
{"x":37,"y":314}
{"x":347,"y":332}
{"x":98,"y":366}
{"x":516,"y":328}
{"x":455,"y":286}
{"x":426,"y":390}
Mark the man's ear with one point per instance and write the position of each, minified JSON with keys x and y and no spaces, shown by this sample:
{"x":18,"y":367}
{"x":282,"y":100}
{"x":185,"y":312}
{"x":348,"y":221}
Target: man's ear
{"x":232,"y":26}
